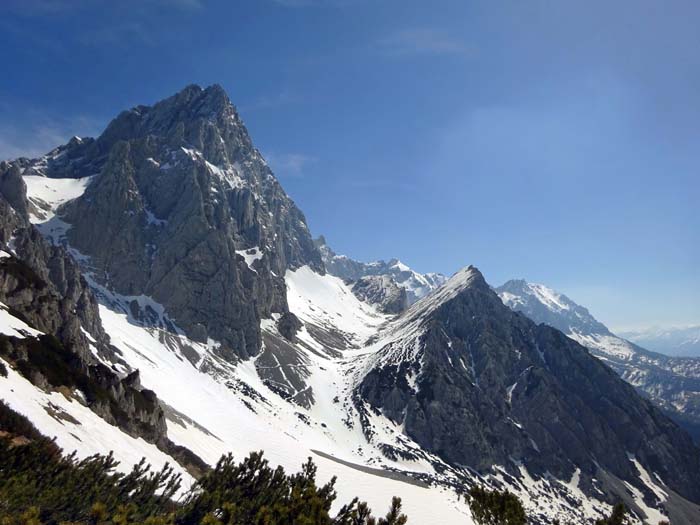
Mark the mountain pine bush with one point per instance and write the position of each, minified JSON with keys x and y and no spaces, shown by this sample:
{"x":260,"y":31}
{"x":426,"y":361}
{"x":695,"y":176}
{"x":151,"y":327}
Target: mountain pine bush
{"x":492,"y":507}
{"x":41,"y":486}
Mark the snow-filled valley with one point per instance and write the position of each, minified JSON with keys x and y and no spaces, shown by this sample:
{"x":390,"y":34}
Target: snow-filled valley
{"x":214,"y":406}
{"x":297,"y":364}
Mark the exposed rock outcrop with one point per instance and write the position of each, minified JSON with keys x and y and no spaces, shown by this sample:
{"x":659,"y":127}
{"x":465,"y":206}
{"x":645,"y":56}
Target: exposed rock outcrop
{"x":417,"y":285}
{"x":41,"y":285}
{"x":479,"y":385}
{"x":383,"y":292}
{"x":672,"y":383}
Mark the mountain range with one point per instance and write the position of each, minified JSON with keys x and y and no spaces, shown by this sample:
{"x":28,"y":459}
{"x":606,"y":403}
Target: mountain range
{"x":672,"y":383}
{"x":163,"y":297}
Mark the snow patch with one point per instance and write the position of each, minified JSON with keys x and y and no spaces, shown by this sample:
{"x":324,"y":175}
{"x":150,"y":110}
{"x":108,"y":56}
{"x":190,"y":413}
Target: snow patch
{"x":48,"y":194}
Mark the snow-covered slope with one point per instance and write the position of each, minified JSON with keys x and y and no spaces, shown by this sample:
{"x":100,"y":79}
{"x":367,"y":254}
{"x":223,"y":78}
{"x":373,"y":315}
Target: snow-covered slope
{"x":216,"y":407}
{"x":208,"y":283}
{"x":46,"y":194}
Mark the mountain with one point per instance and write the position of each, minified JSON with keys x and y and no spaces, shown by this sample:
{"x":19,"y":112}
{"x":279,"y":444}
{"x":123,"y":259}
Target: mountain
{"x":417,"y":285}
{"x":381,"y":291}
{"x":673,"y":383}
{"x":674,"y":341}
{"x":183,"y":311}
{"x":52,"y":336}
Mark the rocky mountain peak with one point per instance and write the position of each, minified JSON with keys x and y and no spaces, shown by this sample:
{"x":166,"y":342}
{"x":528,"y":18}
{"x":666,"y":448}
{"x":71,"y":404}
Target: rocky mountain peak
{"x":467,"y":279}
{"x":545,"y":305}
{"x":478,"y":384}
{"x":181,"y":207}
{"x":672,"y":383}
{"x":194,"y":118}
{"x":417,"y":285}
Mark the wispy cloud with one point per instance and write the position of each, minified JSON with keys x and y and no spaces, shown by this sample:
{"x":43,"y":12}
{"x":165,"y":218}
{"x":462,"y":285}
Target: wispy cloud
{"x":381,"y":184}
{"x":314,"y":3}
{"x":43,"y":135}
{"x":269,"y":101}
{"x":421,"y":41}
{"x":53,"y":7}
{"x":290,"y":164}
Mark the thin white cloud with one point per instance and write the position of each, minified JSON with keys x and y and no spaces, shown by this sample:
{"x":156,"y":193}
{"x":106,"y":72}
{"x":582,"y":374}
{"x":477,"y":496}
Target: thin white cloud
{"x":314,"y":3}
{"x":40,"y":137}
{"x":421,"y":41}
{"x":269,"y":101}
{"x":53,"y":7}
{"x":290,"y":164}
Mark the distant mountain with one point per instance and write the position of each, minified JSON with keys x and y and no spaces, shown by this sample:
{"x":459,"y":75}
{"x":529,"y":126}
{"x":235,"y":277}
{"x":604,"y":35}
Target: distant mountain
{"x":416,"y":284}
{"x":161,"y":296}
{"x":674,"y":341}
{"x":478,"y":384}
{"x":673,"y":383}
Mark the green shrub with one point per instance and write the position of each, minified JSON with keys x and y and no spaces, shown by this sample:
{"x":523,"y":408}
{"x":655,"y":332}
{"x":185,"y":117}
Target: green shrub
{"x":40,"y":486}
{"x":617,"y":517}
{"x":495,"y":507}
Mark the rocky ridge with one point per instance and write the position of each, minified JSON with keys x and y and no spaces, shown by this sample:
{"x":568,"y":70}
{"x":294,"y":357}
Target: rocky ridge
{"x":479,"y":384}
{"x":186,"y":211}
{"x":672,"y":383}
{"x":66,"y":346}
{"x":209,"y":284}
{"x":416,"y":284}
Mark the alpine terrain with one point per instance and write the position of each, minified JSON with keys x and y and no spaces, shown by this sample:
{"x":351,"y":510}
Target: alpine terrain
{"x":672,"y":383}
{"x":162,"y":297}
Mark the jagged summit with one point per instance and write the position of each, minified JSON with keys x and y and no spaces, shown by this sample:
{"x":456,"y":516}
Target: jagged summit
{"x":552,"y":307}
{"x":178,"y":205}
{"x":416,"y":284}
{"x":672,"y":383}
{"x":209,"y":284}
{"x":202,"y":119}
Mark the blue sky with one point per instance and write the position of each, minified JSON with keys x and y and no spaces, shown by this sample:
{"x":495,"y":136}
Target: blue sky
{"x":555,"y":141}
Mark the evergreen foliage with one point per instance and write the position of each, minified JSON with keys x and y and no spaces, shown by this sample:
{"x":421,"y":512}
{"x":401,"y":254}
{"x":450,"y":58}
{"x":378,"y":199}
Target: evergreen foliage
{"x":617,"y":517}
{"x":495,"y":507}
{"x":41,"y":486}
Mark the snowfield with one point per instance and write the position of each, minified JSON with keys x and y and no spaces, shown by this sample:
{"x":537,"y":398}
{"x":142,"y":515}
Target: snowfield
{"x":48,"y":194}
{"x":214,"y":407}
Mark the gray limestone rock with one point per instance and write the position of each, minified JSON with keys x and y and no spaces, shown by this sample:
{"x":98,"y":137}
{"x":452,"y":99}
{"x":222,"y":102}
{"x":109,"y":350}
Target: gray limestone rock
{"x":672,"y":383}
{"x":490,"y":387}
{"x":180,"y":200}
{"x":382,"y":291}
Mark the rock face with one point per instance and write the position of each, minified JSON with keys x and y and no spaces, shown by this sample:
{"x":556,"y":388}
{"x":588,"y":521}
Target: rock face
{"x":672,"y":383}
{"x":184,"y":209}
{"x":479,"y":385}
{"x":42,"y":285}
{"x":187,"y":240}
{"x":42,"y":281}
{"x":382,"y":291}
{"x":416,"y":284}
